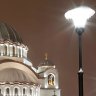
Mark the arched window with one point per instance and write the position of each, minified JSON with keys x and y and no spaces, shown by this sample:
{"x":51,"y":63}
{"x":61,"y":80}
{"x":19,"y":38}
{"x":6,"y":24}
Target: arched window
{"x":30,"y":92}
{"x":13,"y":51}
{"x":0,"y":92}
{"x":24,"y":91}
{"x":5,"y":50}
{"x":51,"y":79}
{"x":16,"y":93}
{"x":7,"y":92}
{"x":23,"y":52}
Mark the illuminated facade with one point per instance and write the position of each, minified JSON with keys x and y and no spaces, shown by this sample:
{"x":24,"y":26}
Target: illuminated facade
{"x":18,"y":77}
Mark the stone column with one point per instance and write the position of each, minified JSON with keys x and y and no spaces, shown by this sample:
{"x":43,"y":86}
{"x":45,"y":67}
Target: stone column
{"x":11,"y":50}
{"x":2,"y":49}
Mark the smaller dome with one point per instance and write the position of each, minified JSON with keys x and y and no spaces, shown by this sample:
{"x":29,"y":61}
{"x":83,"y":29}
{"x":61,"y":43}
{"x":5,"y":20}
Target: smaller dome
{"x":46,"y":62}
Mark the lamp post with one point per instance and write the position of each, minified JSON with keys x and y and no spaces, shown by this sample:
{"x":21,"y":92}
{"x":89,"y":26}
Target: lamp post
{"x":79,"y":16}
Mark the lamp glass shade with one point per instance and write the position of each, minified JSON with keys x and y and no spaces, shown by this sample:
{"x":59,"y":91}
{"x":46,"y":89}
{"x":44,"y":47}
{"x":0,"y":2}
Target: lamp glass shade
{"x":80,"y":15}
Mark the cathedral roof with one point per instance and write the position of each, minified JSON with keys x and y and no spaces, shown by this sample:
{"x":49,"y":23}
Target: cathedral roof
{"x":13,"y":75}
{"x":7,"y":33}
{"x":13,"y":71}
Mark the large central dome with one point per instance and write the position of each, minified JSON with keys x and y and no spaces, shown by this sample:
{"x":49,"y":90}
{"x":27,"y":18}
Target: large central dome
{"x":7,"y":33}
{"x":10,"y":42}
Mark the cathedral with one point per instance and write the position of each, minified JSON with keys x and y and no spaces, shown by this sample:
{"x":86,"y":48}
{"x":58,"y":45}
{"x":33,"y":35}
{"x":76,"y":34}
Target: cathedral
{"x":18,"y":77}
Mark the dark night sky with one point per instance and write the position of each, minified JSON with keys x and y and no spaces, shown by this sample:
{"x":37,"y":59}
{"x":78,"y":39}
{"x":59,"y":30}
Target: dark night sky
{"x":43,"y":28}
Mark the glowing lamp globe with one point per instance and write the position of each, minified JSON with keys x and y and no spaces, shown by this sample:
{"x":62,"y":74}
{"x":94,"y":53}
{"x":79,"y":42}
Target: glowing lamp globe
{"x":80,"y":15}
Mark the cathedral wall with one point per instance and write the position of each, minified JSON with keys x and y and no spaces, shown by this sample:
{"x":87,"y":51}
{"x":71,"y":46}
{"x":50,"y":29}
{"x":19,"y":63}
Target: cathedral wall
{"x":49,"y":92}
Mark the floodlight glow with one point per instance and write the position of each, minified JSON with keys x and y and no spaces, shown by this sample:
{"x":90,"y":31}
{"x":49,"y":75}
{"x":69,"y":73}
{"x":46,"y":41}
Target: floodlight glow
{"x":80,"y":15}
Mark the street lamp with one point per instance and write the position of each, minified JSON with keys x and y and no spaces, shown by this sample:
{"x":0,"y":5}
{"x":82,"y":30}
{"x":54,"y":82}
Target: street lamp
{"x":79,"y":16}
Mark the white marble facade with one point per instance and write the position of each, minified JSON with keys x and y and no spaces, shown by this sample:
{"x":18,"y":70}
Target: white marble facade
{"x":18,"y":76}
{"x":19,"y":90}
